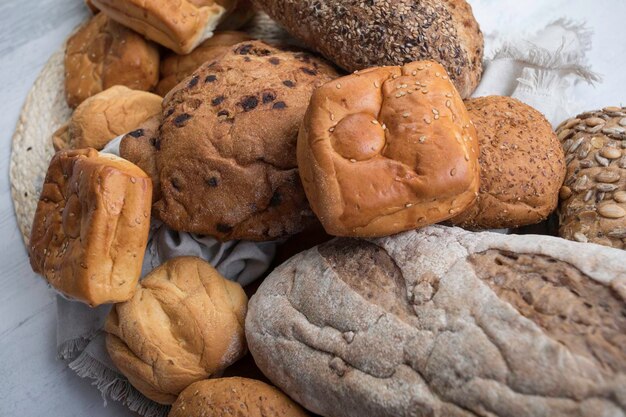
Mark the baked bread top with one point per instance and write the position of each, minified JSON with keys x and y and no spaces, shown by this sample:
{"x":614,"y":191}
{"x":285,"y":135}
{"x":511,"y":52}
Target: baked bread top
{"x":386,"y":150}
{"x":106,"y":115}
{"x":91,"y":226}
{"x":184,"y":324}
{"x":175,"y":67}
{"x":522,"y":165}
{"x":356,"y":34}
{"x":103,"y":53}
{"x":180,"y":26}
{"x":227,"y":150}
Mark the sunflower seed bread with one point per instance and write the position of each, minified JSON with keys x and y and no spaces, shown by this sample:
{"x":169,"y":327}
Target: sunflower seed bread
{"x":357,"y":34}
{"x":593,"y":198}
{"x":448,"y":323}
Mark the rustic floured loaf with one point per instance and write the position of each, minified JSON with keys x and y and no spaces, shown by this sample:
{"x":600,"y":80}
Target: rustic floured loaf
{"x":445,"y":322}
{"x":234,"y":397}
{"x":102,"y":54}
{"x":357,"y":34}
{"x":593,"y":199}
{"x":226,"y":153}
{"x":106,"y":115}
{"x":522,"y":165}
{"x":91,"y":226}
{"x":388,"y":149}
{"x":184,"y":324}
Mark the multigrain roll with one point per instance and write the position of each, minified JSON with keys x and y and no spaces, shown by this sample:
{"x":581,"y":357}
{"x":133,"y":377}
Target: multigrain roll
{"x":220,"y":397}
{"x":522,"y":165}
{"x":357,"y":34}
{"x":387,"y":150}
{"x":105,"y":116}
{"x":102,"y":54}
{"x":227,"y":147}
{"x":593,"y":199}
{"x":91,"y":226}
{"x":175,"y":68}
{"x":184,"y":324}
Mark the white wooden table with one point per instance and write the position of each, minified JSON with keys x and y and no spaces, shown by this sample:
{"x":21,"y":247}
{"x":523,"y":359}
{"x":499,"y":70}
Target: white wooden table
{"x":32,"y":381}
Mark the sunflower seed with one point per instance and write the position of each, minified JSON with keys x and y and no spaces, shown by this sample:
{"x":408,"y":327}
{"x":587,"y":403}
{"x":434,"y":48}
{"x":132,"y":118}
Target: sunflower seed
{"x":600,"y":196}
{"x":565,"y":134}
{"x":586,"y":163}
{"x":606,"y":188}
{"x":584,"y":151}
{"x":569,"y":158}
{"x":580,"y":184}
{"x":594,"y":121}
{"x":602,"y":161}
{"x":618,"y":233}
{"x":612,"y":109}
{"x":571,"y":123}
{"x":567,"y":144}
{"x":588,"y":196}
{"x":579,"y":237}
{"x":622,"y":162}
{"x":620,"y":196}
{"x":611,"y":211}
{"x":565,"y":193}
{"x":611,"y":153}
{"x":576,"y":144}
{"x":608,"y":176}
{"x":622,"y":122}
{"x":595,"y":129}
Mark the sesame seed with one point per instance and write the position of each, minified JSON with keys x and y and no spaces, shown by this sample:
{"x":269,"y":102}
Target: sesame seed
{"x":437,"y":74}
{"x":466,"y":157}
{"x":395,"y":76}
{"x":453,"y":172}
{"x":405,"y":115}
{"x":332,"y":129}
{"x":408,"y":205}
{"x":436,"y":117}
{"x":424,"y":91}
{"x":376,"y":84}
{"x":449,"y":95}
{"x":403,"y":86}
{"x":414,"y":73}
{"x":332,"y":116}
{"x":422,"y":139}
{"x":353,"y":160}
{"x":374,"y":122}
{"x":448,"y":103}
{"x":384,"y":126}
{"x":435,"y":111}
{"x":338,"y":85}
{"x":427,"y":120}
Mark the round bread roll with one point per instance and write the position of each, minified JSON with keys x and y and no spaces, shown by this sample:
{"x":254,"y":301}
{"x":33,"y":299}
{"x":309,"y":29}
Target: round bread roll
{"x":102,"y":54}
{"x":355,"y":34}
{"x":227,"y":150}
{"x":522,"y":165}
{"x":185,"y":323}
{"x":387,"y":150}
{"x":105,"y":116}
{"x":593,"y":199}
{"x":245,"y":397}
{"x":91,"y":226}
{"x":175,"y":68}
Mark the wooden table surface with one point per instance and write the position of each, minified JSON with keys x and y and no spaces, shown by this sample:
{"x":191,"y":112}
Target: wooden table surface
{"x":32,"y":381}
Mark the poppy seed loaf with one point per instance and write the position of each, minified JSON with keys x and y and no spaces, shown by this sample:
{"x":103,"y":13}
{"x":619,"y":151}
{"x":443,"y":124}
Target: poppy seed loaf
{"x":522,"y":165}
{"x":355,"y":34}
{"x":227,"y":149}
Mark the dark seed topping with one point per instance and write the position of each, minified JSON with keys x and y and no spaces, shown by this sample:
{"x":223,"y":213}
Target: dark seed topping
{"x":244,"y":49}
{"x":224,"y":228}
{"x":276,"y":199}
{"x":180,"y":120}
{"x":274,"y":60}
{"x":249,"y":103}
{"x":217,"y":100}
{"x":210,"y":78}
{"x":268,"y":96}
{"x":247,"y":59}
{"x":213,"y":182}
{"x":279,"y":105}
{"x":289,"y":83}
{"x":137,"y":133}
{"x":223,"y":113}
{"x":308,"y":71}
{"x":194,"y":81}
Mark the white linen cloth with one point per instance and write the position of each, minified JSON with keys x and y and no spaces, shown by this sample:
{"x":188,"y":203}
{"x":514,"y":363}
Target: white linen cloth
{"x":540,"y":71}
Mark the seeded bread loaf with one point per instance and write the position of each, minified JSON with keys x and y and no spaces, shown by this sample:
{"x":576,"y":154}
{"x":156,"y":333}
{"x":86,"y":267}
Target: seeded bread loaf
{"x":91,"y":226}
{"x":178,"y":25}
{"x":447,"y":323}
{"x":105,"y":116}
{"x":184,"y":324}
{"x":522,"y":165}
{"x":227,"y":147}
{"x":386,"y":150}
{"x":102,"y":54}
{"x":175,"y":68}
{"x":356,"y":35}
{"x":593,"y":199}
{"x":220,"y":397}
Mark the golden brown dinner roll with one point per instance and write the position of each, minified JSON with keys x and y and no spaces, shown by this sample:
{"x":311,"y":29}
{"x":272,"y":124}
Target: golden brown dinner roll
{"x":180,"y":26}
{"x":185,"y":323}
{"x":386,"y":150}
{"x":103,"y":53}
{"x":139,"y":147}
{"x":91,"y":226}
{"x":105,"y":116}
{"x":521,"y":165}
{"x":227,"y":148}
{"x":175,"y":68}
{"x":593,"y":199}
{"x":234,"y":397}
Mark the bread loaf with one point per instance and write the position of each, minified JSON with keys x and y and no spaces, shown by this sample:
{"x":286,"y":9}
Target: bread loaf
{"x":387,"y":150}
{"x":442,"y":322}
{"x":105,"y":116}
{"x":91,"y":226}
{"x":229,"y":397}
{"x":180,"y":26}
{"x":522,"y":165}
{"x":593,"y":199}
{"x":356,"y":35}
{"x":102,"y":54}
{"x":184,"y":324}
{"x":227,"y":147}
